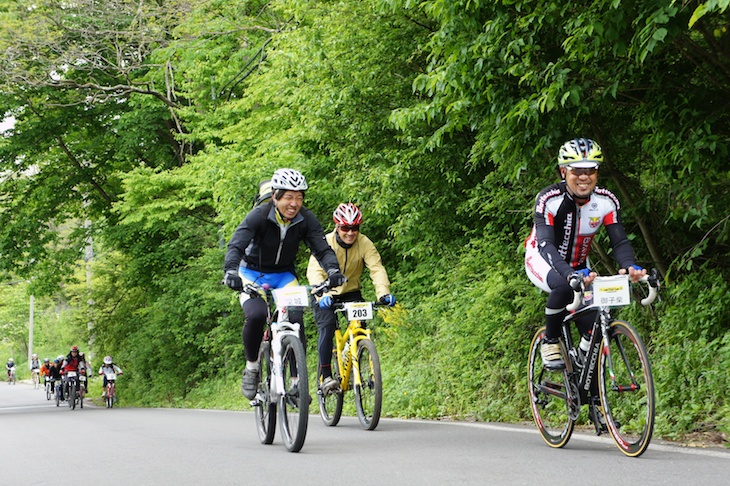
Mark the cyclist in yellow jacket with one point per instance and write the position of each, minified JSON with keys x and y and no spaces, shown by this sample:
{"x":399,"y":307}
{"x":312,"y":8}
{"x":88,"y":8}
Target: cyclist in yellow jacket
{"x":354,"y":251}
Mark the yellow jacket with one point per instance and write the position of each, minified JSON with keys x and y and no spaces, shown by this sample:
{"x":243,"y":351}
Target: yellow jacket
{"x":352,"y":262}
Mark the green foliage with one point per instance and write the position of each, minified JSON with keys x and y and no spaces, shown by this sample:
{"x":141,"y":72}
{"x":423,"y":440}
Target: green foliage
{"x":690,"y":350}
{"x":472,"y":363}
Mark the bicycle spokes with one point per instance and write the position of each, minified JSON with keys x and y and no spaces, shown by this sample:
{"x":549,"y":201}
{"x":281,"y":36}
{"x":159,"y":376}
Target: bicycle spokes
{"x":550,"y":396}
{"x":369,"y":390}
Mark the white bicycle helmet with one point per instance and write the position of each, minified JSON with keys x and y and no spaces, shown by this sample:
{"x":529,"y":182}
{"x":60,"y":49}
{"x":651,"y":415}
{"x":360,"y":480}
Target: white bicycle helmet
{"x":107,"y":360}
{"x":288,"y":180}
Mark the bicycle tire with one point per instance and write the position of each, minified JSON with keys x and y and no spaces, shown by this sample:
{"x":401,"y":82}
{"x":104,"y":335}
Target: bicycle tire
{"x":294,"y":404}
{"x":549,"y":400}
{"x":48,"y":391}
{"x":265,"y":411}
{"x":626,"y":388}
{"x":72,"y":395}
{"x":58,"y":395}
{"x":36,"y":381}
{"x":330,"y":405}
{"x":369,"y":395}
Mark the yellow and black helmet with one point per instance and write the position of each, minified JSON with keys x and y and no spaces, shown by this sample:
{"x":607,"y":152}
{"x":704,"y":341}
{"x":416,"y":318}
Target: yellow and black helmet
{"x":580,"y":152}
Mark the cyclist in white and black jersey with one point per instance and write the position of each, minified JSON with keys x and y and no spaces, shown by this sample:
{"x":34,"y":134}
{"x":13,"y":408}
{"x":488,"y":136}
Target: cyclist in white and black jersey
{"x":567,"y":216}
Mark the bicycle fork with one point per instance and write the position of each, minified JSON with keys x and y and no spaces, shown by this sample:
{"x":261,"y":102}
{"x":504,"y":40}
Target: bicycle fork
{"x":278,"y":331}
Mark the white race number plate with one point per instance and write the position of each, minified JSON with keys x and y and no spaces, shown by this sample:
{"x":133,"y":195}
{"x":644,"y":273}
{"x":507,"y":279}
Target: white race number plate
{"x":611,"y":291}
{"x":359,"y":311}
{"x":295,"y":296}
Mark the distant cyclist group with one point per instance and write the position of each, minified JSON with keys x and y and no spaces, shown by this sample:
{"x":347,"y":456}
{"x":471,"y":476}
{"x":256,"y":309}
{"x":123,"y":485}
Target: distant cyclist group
{"x":58,"y":376}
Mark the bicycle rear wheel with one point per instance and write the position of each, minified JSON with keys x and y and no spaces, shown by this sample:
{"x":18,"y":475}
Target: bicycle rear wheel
{"x":330,"y":405}
{"x":549,"y":398}
{"x":626,"y":388}
{"x":294,"y":404}
{"x":369,"y":395}
{"x":265,"y":409}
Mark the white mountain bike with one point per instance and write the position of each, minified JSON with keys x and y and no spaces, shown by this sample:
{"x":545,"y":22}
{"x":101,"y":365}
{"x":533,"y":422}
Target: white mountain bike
{"x":283,"y":380}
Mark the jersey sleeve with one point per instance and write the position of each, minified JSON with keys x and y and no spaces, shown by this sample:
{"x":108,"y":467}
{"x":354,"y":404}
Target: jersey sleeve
{"x":238,"y":243}
{"x":315,"y":273}
{"x":543,"y":220}
{"x":374,"y":263}
{"x":317,"y":243}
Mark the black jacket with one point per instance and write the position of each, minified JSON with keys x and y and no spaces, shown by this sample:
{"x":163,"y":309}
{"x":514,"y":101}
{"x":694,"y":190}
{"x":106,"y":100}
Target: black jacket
{"x":257,"y":242}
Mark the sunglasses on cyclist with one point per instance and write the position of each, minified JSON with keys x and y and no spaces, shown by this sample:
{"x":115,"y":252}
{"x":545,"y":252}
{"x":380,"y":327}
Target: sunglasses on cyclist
{"x":354,"y":228}
{"x":579,"y":171}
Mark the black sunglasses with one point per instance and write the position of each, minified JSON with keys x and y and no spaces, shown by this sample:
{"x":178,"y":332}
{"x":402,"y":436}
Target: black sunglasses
{"x":583,"y":171}
{"x":354,"y":228}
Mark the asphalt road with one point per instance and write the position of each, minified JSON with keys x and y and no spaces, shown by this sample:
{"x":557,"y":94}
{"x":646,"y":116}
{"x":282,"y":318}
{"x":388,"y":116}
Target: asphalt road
{"x":43,"y":444}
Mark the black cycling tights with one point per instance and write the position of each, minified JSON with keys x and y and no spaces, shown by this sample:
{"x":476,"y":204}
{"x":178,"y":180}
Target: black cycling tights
{"x":560,"y":296}
{"x":253,"y":327}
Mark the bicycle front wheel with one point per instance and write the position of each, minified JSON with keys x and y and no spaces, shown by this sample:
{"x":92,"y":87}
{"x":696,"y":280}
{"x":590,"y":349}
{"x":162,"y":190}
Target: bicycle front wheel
{"x":626,"y":387}
{"x":72,"y":396}
{"x":549,"y":396}
{"x":48,"y":391}
{"x":330,"y":405}
{"x":265,"y":409}
{"x":294,"y":404}
{"x":369,"y":394}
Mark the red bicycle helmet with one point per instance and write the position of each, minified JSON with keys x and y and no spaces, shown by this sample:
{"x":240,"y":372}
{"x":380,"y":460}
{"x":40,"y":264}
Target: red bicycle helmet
{"x":347,"y":214}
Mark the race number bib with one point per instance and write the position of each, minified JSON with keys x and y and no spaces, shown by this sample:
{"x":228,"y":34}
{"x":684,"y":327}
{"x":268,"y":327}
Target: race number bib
{"x":295,"y":296}
{"x":359,"y":311}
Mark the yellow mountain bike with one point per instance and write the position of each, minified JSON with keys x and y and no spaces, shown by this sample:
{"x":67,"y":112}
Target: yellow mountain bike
{"x":356,"y":366}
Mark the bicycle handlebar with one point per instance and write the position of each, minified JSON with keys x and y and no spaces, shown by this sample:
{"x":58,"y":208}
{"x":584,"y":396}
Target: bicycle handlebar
{"x":254,"y":290}
{"x":652,"y":281}
{"x":319,"y":289}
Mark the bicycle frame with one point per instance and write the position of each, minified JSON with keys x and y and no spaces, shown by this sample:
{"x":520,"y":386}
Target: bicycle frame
{"x":349,"y":364}
{"x":584,"y":373}
{"x":353,"y":334}
{"x":598,"y":343}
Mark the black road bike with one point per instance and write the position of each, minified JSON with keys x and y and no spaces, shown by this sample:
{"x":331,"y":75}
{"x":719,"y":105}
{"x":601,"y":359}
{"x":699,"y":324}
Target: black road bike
{"x":613,"y":379}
